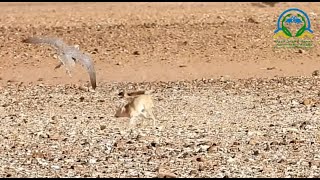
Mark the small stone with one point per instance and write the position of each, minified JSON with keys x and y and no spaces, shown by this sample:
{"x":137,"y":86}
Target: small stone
{"x":102,"y":127}
{"x":133,"y":172}
{"x":271,"y":68}
{"x":294,"y":102}
{"x":83,"y":88}
{"x":166,"y":175}
{"x":200,"y":159}
{"x":230,"y":160}
{"x":212,"y":149}
{"x":204,"y":148}
{"x":250,"y":133}
{"x":251,"y":20}
{"x":92,"y":161}
{"x":153,"y":144}
{"x":316,"y":73}
{"x":55,"y":167}
{"x":236,"y":143}
{"x":290,"y":130}
{"x":81,"y":99}
{"x":55,"y":136}
{"x":304,"y":124}
{"x":253,"y":141}
{"x":69,"y":161}
{"x":136,"y":53}
{"x":201,"y":167}
{"x":149,"y":174}
{"x":193,"y":171}
{"x":308,"y":101}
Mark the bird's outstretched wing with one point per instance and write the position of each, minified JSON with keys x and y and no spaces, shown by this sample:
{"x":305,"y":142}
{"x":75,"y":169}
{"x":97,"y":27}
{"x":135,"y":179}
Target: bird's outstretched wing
{"x":54,"y":42}
{"x":68,"y":55}
{"x":87,"y":63}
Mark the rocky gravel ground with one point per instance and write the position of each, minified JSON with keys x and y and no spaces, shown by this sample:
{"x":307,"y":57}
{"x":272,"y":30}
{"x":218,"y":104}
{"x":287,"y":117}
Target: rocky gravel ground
{"x":205,"y":128}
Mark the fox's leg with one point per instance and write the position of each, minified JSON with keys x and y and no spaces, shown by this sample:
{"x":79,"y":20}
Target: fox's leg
{"x":144,"y":114}
{"x":132,"y":121}
{"x":150,"y":112}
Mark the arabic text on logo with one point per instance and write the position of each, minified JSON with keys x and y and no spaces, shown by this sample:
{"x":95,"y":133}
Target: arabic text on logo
{"x":293,"y":30}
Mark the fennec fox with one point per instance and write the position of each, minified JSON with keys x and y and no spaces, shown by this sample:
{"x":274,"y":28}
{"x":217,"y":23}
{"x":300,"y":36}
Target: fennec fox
{"x":68,"y":55}
{"x":140,"y":105}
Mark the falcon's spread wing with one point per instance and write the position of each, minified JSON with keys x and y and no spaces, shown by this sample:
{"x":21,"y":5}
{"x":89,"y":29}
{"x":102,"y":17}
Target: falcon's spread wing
{"x":58,"y":44}
{"x":68,"y":55}
{"x":55,"y":42}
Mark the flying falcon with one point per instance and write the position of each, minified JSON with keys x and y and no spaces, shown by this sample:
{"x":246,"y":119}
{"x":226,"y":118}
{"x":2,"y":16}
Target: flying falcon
{"x":68,"y":56}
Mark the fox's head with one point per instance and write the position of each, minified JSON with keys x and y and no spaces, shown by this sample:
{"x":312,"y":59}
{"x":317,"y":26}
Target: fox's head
{"x":122,"y":112}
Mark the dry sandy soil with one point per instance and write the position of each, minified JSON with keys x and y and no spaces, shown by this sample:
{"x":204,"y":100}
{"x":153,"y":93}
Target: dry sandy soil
{"x":228,"y":104}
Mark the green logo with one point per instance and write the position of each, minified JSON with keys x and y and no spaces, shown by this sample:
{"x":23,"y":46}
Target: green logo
{"x":293,"y":30}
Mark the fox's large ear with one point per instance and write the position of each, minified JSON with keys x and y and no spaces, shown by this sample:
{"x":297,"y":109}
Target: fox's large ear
{"x":123,"y":109}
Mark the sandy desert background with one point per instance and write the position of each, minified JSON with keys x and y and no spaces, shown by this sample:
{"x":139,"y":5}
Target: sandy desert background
{"x":228,"y":104}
